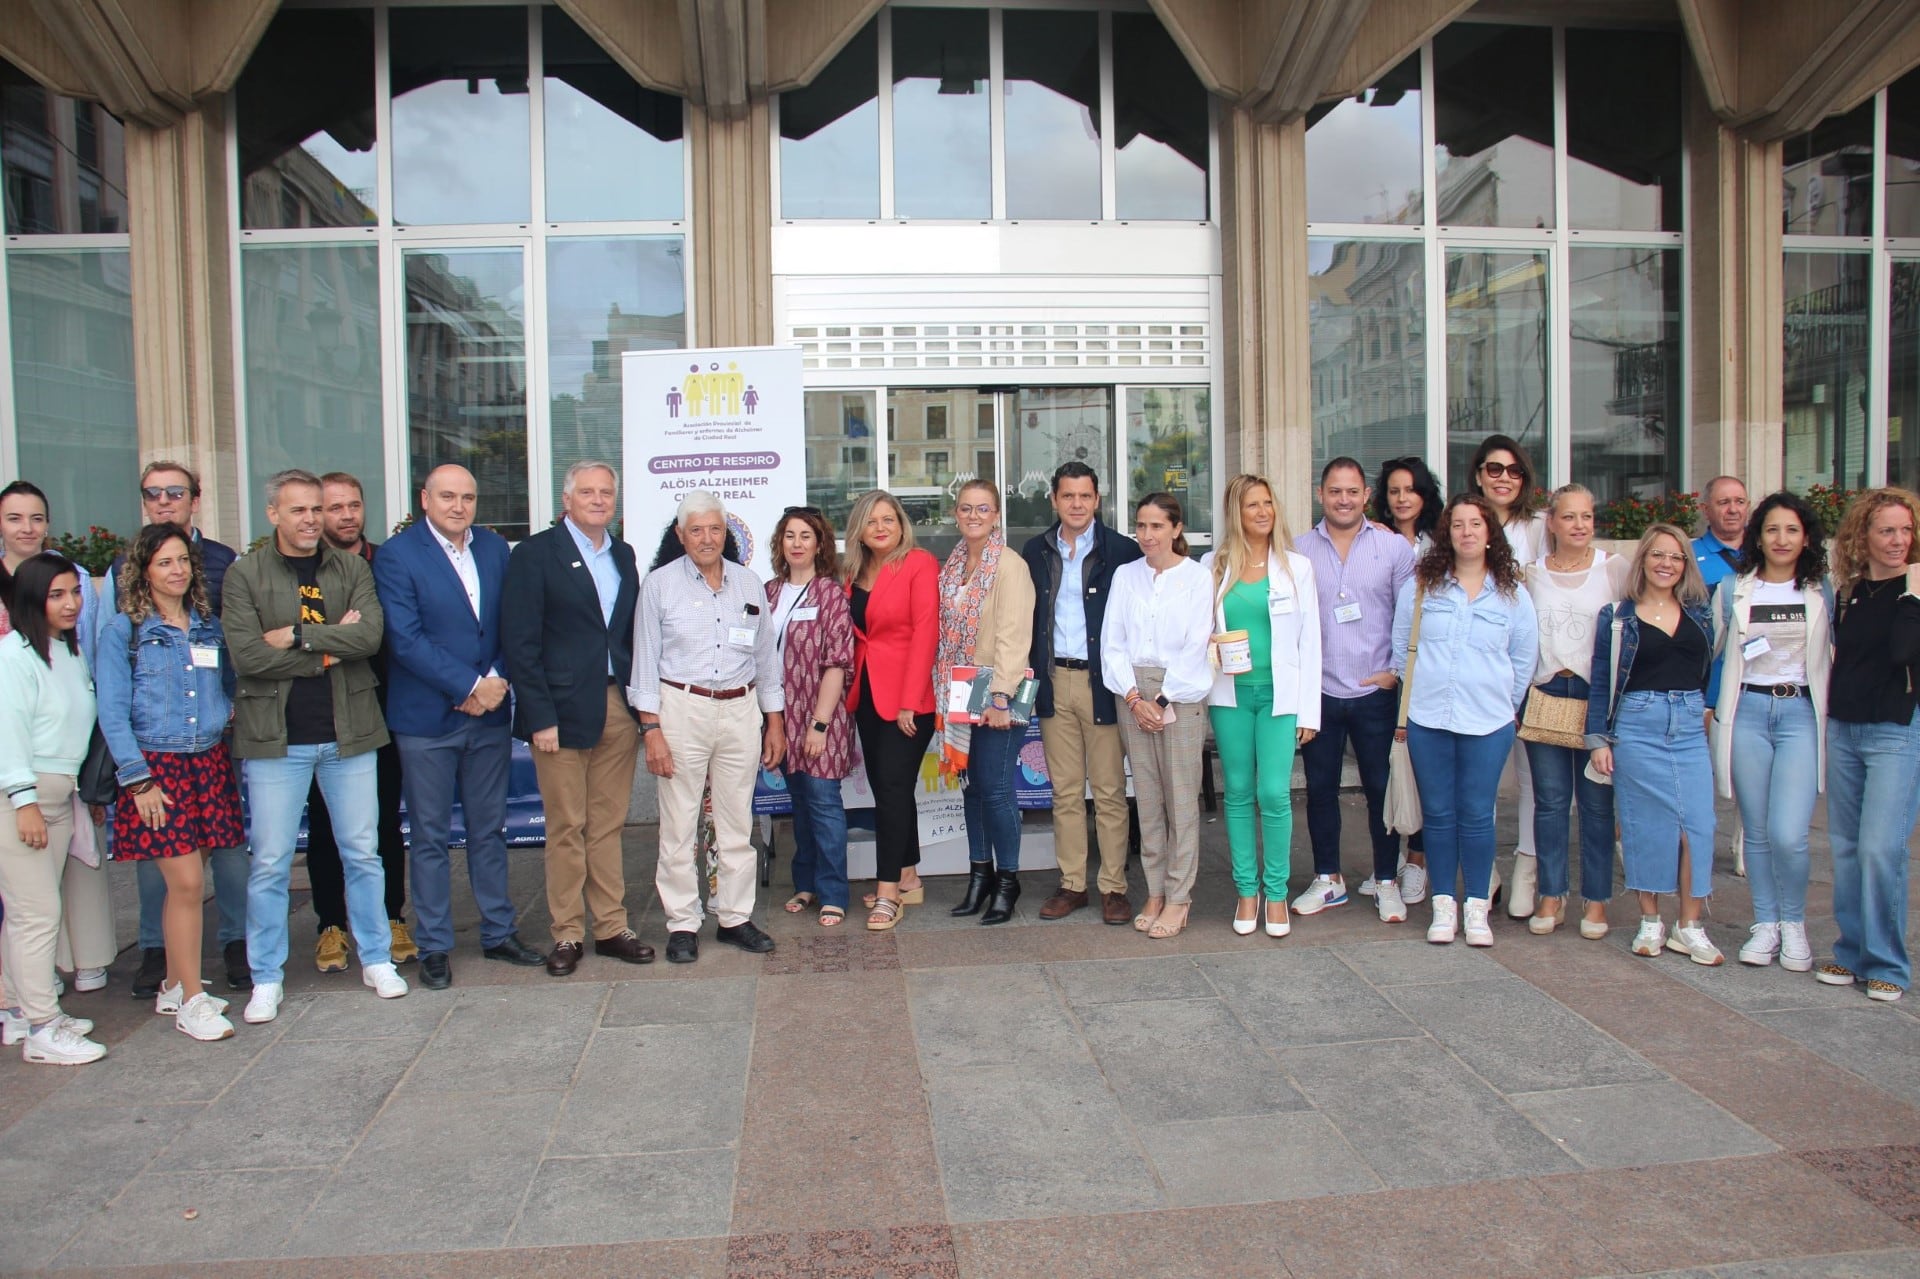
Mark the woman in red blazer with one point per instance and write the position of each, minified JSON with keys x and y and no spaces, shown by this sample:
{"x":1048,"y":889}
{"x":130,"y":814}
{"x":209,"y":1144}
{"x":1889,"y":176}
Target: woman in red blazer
{"x":893,"y":592}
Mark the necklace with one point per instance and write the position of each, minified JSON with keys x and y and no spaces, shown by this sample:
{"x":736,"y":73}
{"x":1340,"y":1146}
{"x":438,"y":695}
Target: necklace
{"x":1586,"y":560}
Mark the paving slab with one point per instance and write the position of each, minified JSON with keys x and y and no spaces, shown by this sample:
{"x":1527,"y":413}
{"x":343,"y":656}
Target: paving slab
{"x":1005,"y":1015}
{"x":682,"y":1194}
{"x":45,"y":1210}
{"x":1871,"y":1040}
{"x":676,"y":1003}
{"x":1520,"y":1040}
{"x":527,"y":1043}
{"x":1176,"y":1059}
{"x":658,"y":1088}
{"x":1254,"y":1159}
{"x":1112,"y":981}
{"x":1303,"y":995}
{"x":1624,"y":1125}
{"x":232,"y":1214}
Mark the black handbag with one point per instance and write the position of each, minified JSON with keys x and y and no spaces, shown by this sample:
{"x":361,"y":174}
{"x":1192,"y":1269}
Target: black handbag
{"x":99,"y":781}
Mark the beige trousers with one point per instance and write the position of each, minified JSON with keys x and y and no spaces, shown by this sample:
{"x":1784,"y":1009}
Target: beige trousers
{"x":87,"y":937}
{"x":717,"y":743}
{"x":585,"y":794}
{"x":1166,"y":789}
{"x":1079,"y":750}
{"x":30,"y":880}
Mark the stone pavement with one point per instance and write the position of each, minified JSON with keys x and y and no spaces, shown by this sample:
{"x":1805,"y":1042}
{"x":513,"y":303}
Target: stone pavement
{"x":1039,"y":1099}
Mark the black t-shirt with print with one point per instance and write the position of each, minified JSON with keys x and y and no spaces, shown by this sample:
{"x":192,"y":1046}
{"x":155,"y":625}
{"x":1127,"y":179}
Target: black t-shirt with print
{"x":310,"y":703}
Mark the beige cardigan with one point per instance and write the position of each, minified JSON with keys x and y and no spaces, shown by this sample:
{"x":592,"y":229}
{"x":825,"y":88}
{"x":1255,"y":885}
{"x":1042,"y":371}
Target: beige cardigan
{"x":1005,"y":640}
{"x":1730,"y":646}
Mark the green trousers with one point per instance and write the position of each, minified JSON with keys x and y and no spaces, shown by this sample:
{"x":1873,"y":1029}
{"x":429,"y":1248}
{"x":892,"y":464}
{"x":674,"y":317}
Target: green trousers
{"x":1256,"y":759}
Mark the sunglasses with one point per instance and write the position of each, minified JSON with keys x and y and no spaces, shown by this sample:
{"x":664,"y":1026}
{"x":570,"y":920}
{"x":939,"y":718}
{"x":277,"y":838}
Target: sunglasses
{"x":172,"y":492}
{"x":1495,"y":470}
{"x":802,"y":510}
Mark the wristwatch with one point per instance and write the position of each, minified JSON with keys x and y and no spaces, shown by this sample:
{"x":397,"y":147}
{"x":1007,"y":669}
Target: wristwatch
{"x":299,"y":641}
{"x":818,"y":727}
{"x":1001,"y":701}
{"x":646,"y":728}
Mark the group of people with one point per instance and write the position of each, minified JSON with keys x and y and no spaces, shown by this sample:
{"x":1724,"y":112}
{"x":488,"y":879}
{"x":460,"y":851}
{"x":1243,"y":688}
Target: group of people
{"x":1486,"y":636}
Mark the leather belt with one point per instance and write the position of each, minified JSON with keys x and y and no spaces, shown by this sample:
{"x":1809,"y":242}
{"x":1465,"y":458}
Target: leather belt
{"x":1070,"y":663}
{"x":717,"y":694}
{"x":1777,"y":690}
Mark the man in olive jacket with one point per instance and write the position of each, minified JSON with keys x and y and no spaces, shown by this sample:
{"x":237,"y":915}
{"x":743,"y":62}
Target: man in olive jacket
{"x":302,"y":620}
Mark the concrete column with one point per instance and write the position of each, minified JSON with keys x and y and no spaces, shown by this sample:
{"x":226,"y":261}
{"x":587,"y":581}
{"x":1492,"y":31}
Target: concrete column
{"x":732,"y":220}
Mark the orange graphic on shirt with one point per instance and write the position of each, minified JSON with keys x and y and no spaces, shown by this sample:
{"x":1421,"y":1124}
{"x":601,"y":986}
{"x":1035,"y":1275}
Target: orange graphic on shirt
{"x":313,"y":609}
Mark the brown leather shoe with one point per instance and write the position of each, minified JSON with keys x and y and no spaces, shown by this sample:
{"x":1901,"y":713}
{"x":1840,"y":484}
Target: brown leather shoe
{"x":625,"y":946}
{"x":564,"y":959}
{"x":1063,"y":903}
{"x":1115,"y":909}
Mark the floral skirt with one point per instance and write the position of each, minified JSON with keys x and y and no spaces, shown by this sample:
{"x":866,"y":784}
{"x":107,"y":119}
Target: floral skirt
{"x":204,"y":813}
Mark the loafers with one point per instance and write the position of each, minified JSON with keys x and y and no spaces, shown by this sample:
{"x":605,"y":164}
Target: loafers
{"x":1063,"y":903}
{"x":747,"y":936}
{"x":564,"y":958}
{"x":514,"y":951}
{"x":623,"y":946}
{"x":683,"y":947}
{"x":436,"y":970}
{"x":1115,"y":909}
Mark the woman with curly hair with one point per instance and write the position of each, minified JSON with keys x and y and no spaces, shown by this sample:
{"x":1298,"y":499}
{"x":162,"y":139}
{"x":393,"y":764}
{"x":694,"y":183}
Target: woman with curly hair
{"x":166,"y":683}
{"x":1407,"y":500}
{"x":1773,"y":633}
{"x":1873,"y":740}
{"x":1465,"y":640}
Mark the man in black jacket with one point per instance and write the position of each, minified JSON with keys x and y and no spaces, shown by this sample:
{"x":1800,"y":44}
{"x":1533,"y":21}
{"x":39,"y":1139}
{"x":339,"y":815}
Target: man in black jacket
{"x":1072,"y":565}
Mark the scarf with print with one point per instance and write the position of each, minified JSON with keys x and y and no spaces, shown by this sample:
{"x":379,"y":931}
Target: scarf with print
{"x":961,"y":599}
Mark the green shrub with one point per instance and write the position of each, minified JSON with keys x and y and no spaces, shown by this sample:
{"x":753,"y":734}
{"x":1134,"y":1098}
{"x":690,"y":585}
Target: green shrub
{"x":94,"y":552}
{"x":1626,"y":518}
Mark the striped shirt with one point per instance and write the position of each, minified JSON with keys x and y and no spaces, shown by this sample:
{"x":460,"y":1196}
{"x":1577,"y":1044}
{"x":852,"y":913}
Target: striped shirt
{"x":1377,"y":563}
{"x":687,"y":632}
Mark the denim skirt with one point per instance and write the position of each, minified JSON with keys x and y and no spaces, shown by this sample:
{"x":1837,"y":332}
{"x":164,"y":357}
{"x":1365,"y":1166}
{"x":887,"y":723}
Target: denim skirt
{"x":1663,"y":789}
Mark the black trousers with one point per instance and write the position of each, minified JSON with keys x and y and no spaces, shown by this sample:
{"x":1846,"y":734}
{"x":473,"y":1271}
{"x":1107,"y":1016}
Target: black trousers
{"x":893,"y":766}
{"x":323,"y":854}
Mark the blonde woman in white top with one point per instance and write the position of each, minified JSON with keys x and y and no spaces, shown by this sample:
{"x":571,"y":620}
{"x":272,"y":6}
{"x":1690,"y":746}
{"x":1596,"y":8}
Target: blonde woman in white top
{"x":1153,"y":653}
{"x":1570,"y":585}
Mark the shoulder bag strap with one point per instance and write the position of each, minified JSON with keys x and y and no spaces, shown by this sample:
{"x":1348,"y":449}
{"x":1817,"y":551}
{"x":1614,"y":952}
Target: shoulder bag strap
{"x":1613,"y":671}
{"x":1413,"y":651}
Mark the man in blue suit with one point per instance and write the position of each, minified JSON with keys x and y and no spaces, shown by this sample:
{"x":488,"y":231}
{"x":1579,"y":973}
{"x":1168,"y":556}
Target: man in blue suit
{"x":440,"y":583}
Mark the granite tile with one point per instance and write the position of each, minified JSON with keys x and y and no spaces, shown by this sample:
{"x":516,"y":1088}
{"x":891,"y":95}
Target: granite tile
{"x":897,"y":1252}
{"x":965,"y":1018}
{"x":1654,"y":1122}
{"x":1109,"y":981}
{"x":44,"y":1212}
{"x":359,"y":1015}
{"x":526,"y":1044}
{"x":1413,"y":961}
{"x":1517,"y":1038}
{"x":677,"y":1003}
{"x":1899,"y":1263}
{"x":1881,"y":1047}
{"x":1303,"y":995}
{"x":157,"y":1065}
{"x":234,"y":1214}
{"x":1249,"y":1159}
{"x":1888,"y":1177}
{"x":682,"y":1194}
{"x":1176,"y":1059}
{"x":654,"y":1088}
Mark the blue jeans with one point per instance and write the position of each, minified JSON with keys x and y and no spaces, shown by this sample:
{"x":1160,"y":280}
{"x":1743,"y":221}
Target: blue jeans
{"x":1368,"y":721}
{"x":1559,"y":779}
{"x":276,"y":796}
{"x":819,"y":838}
{"x":993,"y":818}
{"x":469,"y":764}
{"x":1457,"y":776}
{"x":230,"y":871}
{"x":1873,"y":788}
{"x":1776,"y":773}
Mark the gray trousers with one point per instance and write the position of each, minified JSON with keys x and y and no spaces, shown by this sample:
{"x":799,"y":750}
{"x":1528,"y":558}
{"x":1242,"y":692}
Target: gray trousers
{"x":1166,"y":789}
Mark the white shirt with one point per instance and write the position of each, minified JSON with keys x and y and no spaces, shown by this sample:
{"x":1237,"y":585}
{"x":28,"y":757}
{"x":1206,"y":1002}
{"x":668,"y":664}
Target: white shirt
{"x":1159,"y":619}
{"x":461,"y":557}
{"x":790,"y":597}
{"x":1566,"y":605}
{"x":1777,"y":610}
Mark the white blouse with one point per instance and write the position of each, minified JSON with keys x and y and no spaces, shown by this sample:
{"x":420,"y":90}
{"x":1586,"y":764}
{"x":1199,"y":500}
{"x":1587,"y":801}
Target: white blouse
{"x":1159,"y":619}
{"x":1566,"y":605}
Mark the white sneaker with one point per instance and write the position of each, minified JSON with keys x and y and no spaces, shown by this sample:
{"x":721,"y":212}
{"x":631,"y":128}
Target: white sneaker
{"x":385,"y":982}
{"x":1446,"y":917}
{"x":264,"y":1004}
{"x":1795,"y":955}
{"x":1368,"y":886}
{"x":58,"y":1044}
{"x":1763,"y":943}
{"x":1692,"y":941}
{"x":1474,"y":926}
{"x":1526,"y":878}
{"x":1387,"y":902}
{"x":88,"y":979}
{"x":1652,"y":937}
{"x":79,"y":1025}
{"x":1413,"y":884}
{"x":200,"y":1018}
{"x":1323,"y":893}
{"x":167,"y":1002}
{"x":14,"y":1026}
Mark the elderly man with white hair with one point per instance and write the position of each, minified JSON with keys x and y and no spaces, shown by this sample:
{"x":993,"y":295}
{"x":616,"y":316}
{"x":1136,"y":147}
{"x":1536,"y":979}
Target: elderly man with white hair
{"x":705,"y":671}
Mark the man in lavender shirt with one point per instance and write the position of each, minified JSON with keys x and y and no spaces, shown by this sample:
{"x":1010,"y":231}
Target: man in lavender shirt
{"x":1359,"y":567}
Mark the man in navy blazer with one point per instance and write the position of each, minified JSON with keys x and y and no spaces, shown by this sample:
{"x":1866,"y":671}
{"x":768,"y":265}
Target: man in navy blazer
{"x":441,"y":583}
{"x":568,"y":626}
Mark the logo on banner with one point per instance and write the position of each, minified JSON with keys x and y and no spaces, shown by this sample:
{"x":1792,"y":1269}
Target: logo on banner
{"x":712,"y":392}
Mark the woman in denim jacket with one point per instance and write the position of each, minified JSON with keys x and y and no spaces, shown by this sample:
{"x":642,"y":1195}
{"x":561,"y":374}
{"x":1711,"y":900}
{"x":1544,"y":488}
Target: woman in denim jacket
{"x":1647,"y":729}
{"x":165,"y":684}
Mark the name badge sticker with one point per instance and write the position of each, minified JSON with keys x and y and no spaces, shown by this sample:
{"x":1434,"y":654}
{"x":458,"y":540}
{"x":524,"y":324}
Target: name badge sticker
{"x":740,"y":636}
{"x":1755,"y":647}
{"x":1279,"y":605}
{"x":206,"y":657}
{"x":1347,"y":613}
{"x":807,"y":614}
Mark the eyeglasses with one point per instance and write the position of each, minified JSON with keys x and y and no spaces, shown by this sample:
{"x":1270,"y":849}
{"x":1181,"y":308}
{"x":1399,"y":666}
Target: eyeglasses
{"x":983,"y":508}
{"x":1495,"y":470}
{"x":1665,"y":557}
{"x":172,"y":492}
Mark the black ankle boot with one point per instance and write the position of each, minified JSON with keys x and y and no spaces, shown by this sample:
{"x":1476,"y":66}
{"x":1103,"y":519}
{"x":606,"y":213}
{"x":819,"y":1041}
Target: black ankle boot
{"x":979,"y":888}
{"x":1006,"y":891}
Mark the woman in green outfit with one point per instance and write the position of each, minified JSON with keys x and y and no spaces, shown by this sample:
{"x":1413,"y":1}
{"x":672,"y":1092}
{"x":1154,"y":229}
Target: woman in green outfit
{"x":1265,"y":701}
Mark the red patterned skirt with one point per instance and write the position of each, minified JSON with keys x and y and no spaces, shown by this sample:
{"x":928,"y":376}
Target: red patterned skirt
{"x":204,"y":814}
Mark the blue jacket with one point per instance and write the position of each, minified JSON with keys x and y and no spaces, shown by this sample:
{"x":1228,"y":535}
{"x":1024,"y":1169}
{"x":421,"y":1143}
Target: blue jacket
{"x":1712,"y":556}
{"x":1110,"y":550}
{"x":436,"y":648}
{"x":1603,"y":701}
{"x":154,"y":697}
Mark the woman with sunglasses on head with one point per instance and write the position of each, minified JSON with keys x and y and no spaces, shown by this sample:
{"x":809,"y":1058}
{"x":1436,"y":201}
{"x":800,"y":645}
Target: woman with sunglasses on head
{"x":1647,"y":726}
{"x":814,"y":633}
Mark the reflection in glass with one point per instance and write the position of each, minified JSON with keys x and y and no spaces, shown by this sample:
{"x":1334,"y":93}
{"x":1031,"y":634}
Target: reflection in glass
{"x":1625,"y":370}
{"x":1052,"y":425}
{"x":303,"y":110}
{"x":842,"y":452}
{"x":1496,"y":353}
{"x":1169,"y":443}
{"x":71,"y":313}
{"x":1052,"y":114}
{"x":312,"y":349}
{"x":830,"y":137}
{"x":1903,"y":403}
{"x":613,"y":148}
{"x":1623,"y":149}
{"x":925,"y":471}
{"x":467,"y":375}
{"x":65,"y":161}
{"x":1493,"y":125}
{"x":941,"y":144}
{"x":1366,"y":308}
{"x":1161,"y":121}
{"x":1826,"y":391}
{"x":1903,"y":155}
{"x":1363,"y":153}
{"x":1826,"y":176}
{"x":460,"y":120}
{"x":604,"y":298}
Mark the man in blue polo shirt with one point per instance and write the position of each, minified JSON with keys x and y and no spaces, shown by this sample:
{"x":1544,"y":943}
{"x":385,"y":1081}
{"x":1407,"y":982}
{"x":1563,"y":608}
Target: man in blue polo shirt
{"x":1717,"y":552}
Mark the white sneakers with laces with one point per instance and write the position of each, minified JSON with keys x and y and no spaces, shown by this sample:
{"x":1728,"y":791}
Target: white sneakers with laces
{"x":1692,"y":941}
{"x":1474,"y":926}
{"x":199,"y":1018}
{"x":1796,"y":956}
{"x":58,"y":1044}
{"x":1763,"y":943}
{"x":1386,"y":899}
{"x":1413,"y":884}
{"x":264,"y":1004}
{"x":1446,"y":918}
{"x":1322,"y":894}
{"x":167,"y":1002}
{"x":385,"y":982}
{"x":86,"y":979}
{"x":1652,"y":937}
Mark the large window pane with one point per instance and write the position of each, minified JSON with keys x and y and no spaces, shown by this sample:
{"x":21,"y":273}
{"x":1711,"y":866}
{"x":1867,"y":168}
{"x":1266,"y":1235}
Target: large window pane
{"x":312,"y":325}
{"x":1625,"y":374}
{"x":1363,"y":153}
{"x":1903,"y":406}
{"x":1826,"y":176}
{"x":830,"y":137}
{"x":605,"y":298}
{"x":1826,"y":390}
{"x":1367,"y":310}
{"x":467,"y":375}
{"x":1623,"y":149}
{"x":1169,"y":449}
{"x":65,"y":163}
{"x":1493,"y":125}
{"x":1903,"y":156}
{"x":72,"y":320}
{"x":304,"y":116}
{"x":1052,"y":425}
{"x":931,"y":450}
{"x":842,"y":451}
{"x":942,"y":166}
{"x":1497,"y":339}
{"x":1053,"y":114}
{"x":1161,"y":123}
{"x":613,"y":148}
{"x":461,"y":152}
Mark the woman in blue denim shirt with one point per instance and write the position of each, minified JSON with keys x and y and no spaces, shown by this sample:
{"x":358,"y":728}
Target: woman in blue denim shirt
{"x":165,"y":684}
{"x":1647,"y":728}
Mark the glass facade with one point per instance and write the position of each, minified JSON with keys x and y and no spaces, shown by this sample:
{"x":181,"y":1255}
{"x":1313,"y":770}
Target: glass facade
{"x":304,"y":109}
{"x":842,"y":451}
{"x":1497,"y":352}
{"x":1170,"y":450}
{"x":1624,"y":370}
{"x":1827,"y":394}
{"x":942,"y":136}
{"x":1050,"y":426}
{"x":1366,"y":306}
{"x":830,"y":136}
{"x":614,"y":149}
{"x":1363,"y":153}
{"x":1052,"y":106}
{"x":1493,"y":125}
